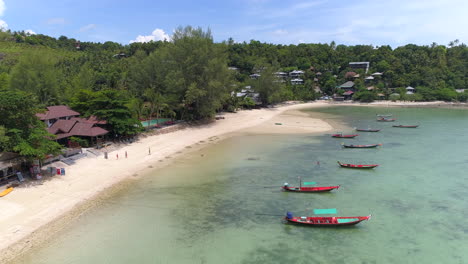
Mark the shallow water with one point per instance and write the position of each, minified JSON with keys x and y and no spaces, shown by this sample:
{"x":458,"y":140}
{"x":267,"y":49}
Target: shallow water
{"x":212,"y":206}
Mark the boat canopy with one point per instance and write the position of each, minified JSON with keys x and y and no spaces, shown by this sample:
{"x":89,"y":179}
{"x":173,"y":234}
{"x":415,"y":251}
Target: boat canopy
{"x":325,"y":211}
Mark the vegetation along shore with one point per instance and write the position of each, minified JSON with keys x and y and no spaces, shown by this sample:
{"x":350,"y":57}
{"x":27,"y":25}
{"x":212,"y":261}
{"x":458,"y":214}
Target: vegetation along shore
{"x":101,"y":113}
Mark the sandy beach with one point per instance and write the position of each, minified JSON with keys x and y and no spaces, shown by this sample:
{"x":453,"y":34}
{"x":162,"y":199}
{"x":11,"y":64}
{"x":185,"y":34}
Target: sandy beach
{"x":29,"y":215}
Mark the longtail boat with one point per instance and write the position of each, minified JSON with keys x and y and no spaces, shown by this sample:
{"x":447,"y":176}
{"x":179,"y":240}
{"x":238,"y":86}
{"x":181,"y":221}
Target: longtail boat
{"x":357,"y":166}
{"x":367,"y":130}
{"x":383,"y":119}
{"x":6,"y":191}
{"x":411,"y":126}
{"x":344,"y":136}
{"x":362,"y":146}
{"x":309,"y":189}
{"x":325,"y":220}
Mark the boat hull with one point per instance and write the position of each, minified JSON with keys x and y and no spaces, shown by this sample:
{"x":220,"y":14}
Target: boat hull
{"x":344,"y":136}
{"x":361,"y":146}
{"x":357,"y":166}
{"x":405,"y":126}
{"x":7,"y":191}
{"x":310,"y":189}
{"x":327,"y":221}
{"x":368,"y":130}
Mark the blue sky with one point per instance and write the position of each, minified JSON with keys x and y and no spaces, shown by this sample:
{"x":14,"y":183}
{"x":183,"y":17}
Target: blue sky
{"x":376,"y":22}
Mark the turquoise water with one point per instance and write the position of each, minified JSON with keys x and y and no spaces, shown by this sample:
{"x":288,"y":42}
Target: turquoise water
{"x":212,"y":206}
{"x":155,"y":121}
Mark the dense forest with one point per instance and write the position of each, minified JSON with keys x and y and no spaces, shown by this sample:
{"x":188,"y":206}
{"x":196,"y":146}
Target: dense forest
{"x":191,"y":77}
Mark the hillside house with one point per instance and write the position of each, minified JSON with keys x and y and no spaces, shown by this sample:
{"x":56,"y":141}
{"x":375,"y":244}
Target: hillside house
{"x":296,"y":74}
{"x":297,"y":81}
{"x":360,"y":65}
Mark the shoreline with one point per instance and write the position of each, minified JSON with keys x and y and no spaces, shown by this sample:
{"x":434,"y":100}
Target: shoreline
{"x":30,"y":215}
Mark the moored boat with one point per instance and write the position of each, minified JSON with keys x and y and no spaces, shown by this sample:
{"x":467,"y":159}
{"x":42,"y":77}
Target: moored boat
{"x":6,"y":191}
{"x":309,"y":189}
{"x":325,"y":220}
{"x":367,"y":130}
{"x":383,"y":119}
{"x":406,"y":126}
{"x":361,"y":146}
{"x":344,"y":136}
{"x":357,"y":166}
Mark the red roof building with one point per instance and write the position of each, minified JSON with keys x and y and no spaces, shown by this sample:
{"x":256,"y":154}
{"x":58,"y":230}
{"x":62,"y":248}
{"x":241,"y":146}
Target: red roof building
{"x":63,"y":123}
{"x":55,"y":113}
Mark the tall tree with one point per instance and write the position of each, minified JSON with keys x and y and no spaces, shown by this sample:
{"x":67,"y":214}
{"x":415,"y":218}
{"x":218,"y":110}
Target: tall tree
{"x":21,"y":131}
{"x":36,"y":73}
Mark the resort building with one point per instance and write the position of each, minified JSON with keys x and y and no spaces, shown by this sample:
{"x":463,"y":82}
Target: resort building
{"x":63,"y":122}
{"x":254,"y":76}
{"x":410,"y":90}
{"x":55,"y":113}
{"x":10,"y":165}
{"x":249,"y":92}
{"x":296,"y":74}
{"x":360,"y":65}
{"x":282,"y":75}
{"x":297,"y":81}
{"x":350,"y":75}
{"x":348,"y":88}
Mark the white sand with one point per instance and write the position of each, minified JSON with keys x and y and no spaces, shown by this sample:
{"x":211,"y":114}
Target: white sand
{"x":28,"y":210}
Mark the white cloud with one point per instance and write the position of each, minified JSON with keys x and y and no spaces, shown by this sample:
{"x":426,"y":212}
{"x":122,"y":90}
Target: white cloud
{"x":3,"y":25}
{"x":157,"y":34}
{"x":29,"y":32}
{"x":87,"y":27}
{"x":390,"y":22}
{"x":55,"y":21}
{"x":2,"y":7}
{"x":280,"y":32}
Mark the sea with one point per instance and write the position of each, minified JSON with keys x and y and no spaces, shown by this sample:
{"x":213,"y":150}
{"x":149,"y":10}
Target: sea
{"x":224,"y":204}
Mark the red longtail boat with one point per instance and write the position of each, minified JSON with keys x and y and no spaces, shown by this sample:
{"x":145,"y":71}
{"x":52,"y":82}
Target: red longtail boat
{"x":310,"y":189}
{"x":325,"y":220}
{"x":362,"y":146}
{"x":382,"y":119}
{"x":411,"y":126}
{"x":344,"y":136}
{"x":357,"y":166}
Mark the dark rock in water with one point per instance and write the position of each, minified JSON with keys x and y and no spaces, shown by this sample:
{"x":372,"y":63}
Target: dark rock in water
{"x":253,"y":158}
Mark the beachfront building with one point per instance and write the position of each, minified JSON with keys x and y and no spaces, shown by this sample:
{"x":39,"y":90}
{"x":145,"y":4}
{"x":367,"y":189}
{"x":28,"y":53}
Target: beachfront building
{"x":360,"y":65}
{"x":55,"y":113}
{"x":249,"y":92}
{"x":348,"y":88}
{"x":296,"y":74}
{"x":410,"y":90}
{"x":64,"y":123}
{"x":10,"y":165}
